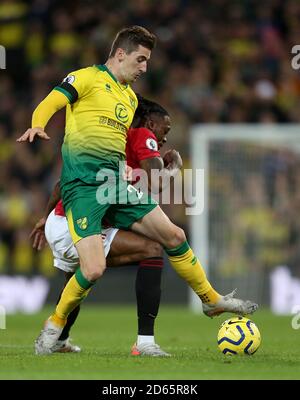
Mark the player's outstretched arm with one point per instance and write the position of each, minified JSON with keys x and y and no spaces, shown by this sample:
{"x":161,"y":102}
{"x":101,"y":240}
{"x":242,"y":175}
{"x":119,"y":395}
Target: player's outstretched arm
{"x":42,"y":114}
{"x":31,"y":133}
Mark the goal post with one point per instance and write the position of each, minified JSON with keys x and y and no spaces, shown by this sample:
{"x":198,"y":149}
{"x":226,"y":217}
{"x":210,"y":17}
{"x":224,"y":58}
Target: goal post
{"x":250,"y":224}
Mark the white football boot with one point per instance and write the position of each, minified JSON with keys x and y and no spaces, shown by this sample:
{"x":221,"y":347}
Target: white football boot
{"x":229,"y":304}
{"x":65,"y":346}
{"x":148,"y":349}
{"x":47,"y":338}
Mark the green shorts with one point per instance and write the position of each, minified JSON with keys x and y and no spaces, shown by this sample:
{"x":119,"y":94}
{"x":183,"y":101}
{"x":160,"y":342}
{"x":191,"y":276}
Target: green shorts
{"x":87,"y":204}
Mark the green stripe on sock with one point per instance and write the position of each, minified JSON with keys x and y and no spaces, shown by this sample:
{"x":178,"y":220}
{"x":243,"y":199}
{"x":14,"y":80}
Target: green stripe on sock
{"x":82,"y":281}
{"x":194,"y":260}
{"x":179,"y":250}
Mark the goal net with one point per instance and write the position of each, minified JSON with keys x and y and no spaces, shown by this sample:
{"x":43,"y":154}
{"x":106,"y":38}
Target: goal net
{"x":250,"y":224}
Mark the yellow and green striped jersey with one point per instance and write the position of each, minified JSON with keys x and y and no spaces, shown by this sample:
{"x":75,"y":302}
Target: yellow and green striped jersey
{"x":98,"y":116}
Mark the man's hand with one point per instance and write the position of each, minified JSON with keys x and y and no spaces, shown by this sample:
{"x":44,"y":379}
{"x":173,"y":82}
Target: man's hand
{"x":31,"y":133}
{"x":38,"y":234}
{"x":172,"y":160}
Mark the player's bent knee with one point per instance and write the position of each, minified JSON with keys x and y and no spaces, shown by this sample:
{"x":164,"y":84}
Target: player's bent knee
{"x":94,"y":274}
{"x":177,"y":238}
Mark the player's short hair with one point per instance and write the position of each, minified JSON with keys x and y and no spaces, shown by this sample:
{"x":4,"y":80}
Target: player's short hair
{"x":130,"y":38}
{"x":145,"y":109}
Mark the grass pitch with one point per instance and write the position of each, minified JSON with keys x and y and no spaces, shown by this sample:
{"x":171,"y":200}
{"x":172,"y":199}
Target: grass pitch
{"x":107,"y":333}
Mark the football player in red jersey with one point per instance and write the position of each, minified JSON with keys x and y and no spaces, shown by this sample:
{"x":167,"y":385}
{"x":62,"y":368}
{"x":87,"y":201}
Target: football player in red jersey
{"x":147,"y":135}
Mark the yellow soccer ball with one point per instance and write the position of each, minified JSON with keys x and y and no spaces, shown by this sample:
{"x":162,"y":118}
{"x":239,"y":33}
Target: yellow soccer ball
{"x":238,"y":335}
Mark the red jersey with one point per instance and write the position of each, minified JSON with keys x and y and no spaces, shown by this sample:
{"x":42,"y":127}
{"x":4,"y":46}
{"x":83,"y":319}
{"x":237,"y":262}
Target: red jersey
{"x":141,"y":144}
{"x":59,"y":209}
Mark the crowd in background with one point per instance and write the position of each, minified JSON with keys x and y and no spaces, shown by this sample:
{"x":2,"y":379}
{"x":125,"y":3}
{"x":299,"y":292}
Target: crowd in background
{"x":254,"y":214}
{"x":216,"y":61}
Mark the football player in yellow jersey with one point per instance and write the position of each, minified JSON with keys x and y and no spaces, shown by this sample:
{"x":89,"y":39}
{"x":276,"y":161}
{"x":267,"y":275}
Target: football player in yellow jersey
{"x":100,"y":108}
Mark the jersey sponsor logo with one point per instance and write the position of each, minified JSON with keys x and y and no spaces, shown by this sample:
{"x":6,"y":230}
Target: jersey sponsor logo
{"x":112,"y":123}
{"x":121,"y":112}
{"x":69,"y":79}
{"x":152,"y":144}
{"x":82,"y":223}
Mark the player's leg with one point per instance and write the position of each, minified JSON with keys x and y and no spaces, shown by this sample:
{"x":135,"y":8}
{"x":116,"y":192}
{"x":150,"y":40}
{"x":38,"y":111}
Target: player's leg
{"x":63,"y":344}
{"x":92,"y":266}
{"x":123,"y":248}
{"x":65,"y":258}
{"x":128,"y":247}
{"x":157,"y":226}
{"x":84,"y":215}
{"x":147,"y":218}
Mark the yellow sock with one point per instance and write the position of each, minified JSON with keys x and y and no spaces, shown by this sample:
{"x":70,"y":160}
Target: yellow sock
{"x":189,"y":268}
{"x":57,"y":320}
{"x":74,"y":292}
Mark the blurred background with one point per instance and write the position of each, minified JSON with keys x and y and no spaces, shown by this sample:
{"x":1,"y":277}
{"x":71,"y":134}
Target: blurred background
{"x":216,"y":62}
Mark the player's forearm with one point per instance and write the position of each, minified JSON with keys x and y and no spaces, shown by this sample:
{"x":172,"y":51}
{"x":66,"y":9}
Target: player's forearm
{"x":47,"y":108}
{"x":54,"y":199}
{"x":159,"y":181}
{"x":159,"y":177}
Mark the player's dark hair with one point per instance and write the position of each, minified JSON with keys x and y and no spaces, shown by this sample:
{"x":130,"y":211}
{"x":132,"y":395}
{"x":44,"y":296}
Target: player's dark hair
{"x":130,"y":38}
{"x":144,"y":111}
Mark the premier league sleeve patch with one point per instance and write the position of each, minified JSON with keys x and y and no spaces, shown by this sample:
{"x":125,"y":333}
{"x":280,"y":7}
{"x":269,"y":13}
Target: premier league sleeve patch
{"x":69,"y":79}
{"x":152,"y":144}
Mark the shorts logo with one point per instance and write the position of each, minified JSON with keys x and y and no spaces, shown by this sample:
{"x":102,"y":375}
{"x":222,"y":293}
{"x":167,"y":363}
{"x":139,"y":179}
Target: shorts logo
{"x":151,"y":144}
{"x":69,"y":79}
{"x":121,"y":113}
{"x":82,"y":223}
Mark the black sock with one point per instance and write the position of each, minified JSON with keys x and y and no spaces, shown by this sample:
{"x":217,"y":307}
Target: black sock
{"x":70,"y":322}
{"x":148,"y":291}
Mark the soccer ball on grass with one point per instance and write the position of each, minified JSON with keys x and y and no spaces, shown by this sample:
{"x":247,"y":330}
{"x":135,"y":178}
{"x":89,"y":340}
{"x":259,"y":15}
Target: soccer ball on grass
{"x":239,"y":335}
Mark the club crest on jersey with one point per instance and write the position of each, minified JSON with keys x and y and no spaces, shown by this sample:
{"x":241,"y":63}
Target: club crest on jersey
{"x":151,"y":144}
{"x":69,"y":79}
{"x":82,"y":223}
{"x":121,"y":113}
